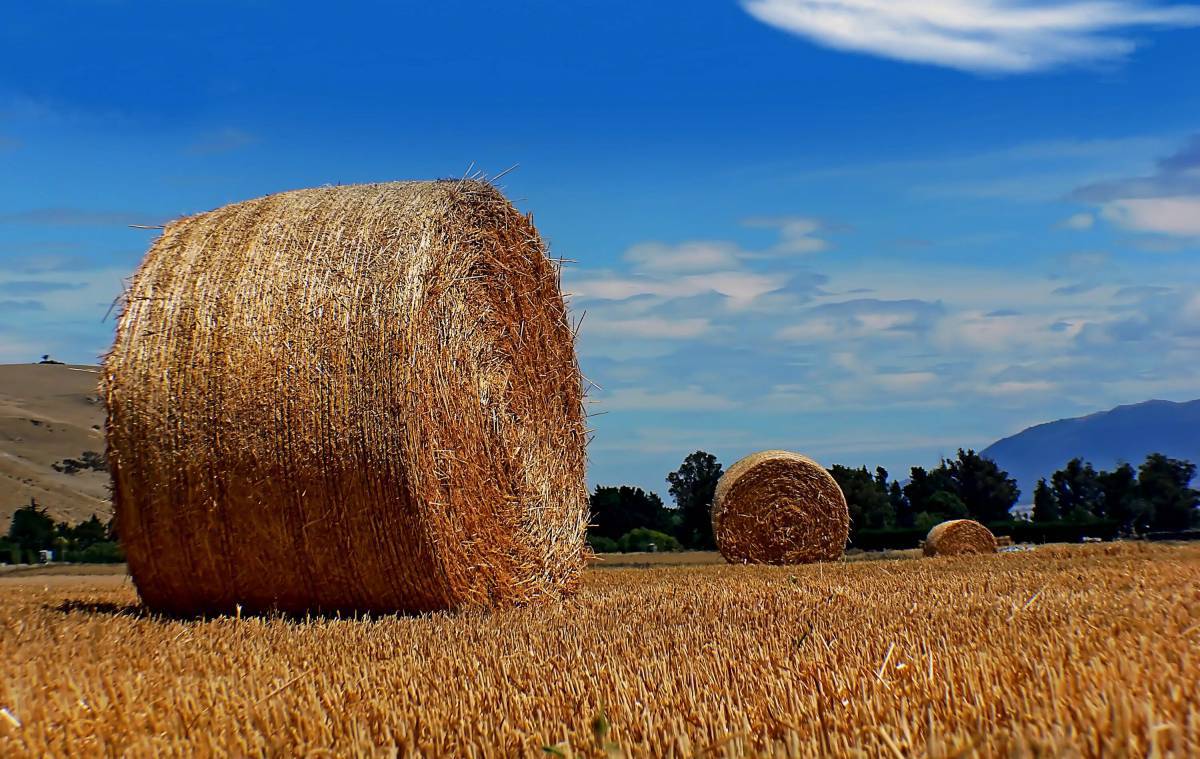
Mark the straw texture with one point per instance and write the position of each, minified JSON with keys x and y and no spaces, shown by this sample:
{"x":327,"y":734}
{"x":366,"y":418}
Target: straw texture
{"x":350,"y":398}
{"x":778,"y":507}
{"x":959,"y":536}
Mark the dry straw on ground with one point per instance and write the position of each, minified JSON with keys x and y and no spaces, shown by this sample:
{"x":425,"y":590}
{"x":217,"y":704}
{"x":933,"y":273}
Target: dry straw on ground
{"x":1080,"y":651}
{"x":778,"y":507}
{"x":959,"y":536}
{"x":348,"y":398}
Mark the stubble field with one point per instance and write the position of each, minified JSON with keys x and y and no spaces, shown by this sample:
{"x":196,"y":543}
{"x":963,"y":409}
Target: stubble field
{"x":1090,"y":650}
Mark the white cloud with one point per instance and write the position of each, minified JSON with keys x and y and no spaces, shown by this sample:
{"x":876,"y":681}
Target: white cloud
{"x":977,"y":331}
{"x":1178,"y":216}
{"x":990,"y":36}
{"x":861,"y":318}
{"x":696,"y":256}
{"x":1165,"y":201}
{"x":739,"y":286}
{"x":1018,"y":388}
{"x":653,"y":327}
{"x":905,"y":382}
{"x":691,"y":398}
{"x":1192,"y":309}
{"x":797,"y":235}
{"x":1078,"y":221}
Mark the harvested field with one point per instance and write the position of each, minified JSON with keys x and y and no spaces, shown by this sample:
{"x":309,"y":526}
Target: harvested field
{"x":1090,"y":650}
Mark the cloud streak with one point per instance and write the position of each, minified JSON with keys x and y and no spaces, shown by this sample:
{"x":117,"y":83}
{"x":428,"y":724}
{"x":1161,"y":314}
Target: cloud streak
{"x":980,"y":36}
{"x":77,"y":217}
{"x":223,"y":141}
{"x":1166,"y":202}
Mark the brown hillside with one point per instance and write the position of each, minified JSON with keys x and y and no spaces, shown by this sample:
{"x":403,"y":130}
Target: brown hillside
{"x":50,"y":413}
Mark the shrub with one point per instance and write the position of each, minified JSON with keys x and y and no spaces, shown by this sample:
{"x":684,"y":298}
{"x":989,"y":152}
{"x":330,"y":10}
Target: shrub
{"x":104,"y":552}
{"x":890,"y":539}
{"x":1057,"y":531}
{"x":601,"y":544}
{"x":640,"y":539}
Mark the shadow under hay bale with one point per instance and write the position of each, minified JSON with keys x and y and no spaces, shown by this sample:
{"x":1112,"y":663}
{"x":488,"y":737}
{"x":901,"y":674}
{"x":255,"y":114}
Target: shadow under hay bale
{"x":358,"y":398}
{"x":959,"y":536}
{"x":778,"y":507}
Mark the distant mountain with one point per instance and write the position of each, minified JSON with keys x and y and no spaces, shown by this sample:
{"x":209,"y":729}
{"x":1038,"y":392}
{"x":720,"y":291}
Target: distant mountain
{"x":1125,"y":433}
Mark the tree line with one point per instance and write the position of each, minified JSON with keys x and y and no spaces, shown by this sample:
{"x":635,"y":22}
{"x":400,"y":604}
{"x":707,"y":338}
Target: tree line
{"x":1077,"y":500}
{"x":33,"y":530}
{"x":1156,"y":496}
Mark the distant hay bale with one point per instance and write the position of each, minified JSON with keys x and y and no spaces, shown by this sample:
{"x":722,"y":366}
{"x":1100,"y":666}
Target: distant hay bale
{"x":350,"y":398}
{"x":959,"y":536}
{"x":778,"y":507}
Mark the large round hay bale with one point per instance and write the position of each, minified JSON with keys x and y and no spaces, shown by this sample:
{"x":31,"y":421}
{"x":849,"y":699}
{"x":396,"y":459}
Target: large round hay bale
{"x":778,"y":507}
{"x":349,"y":398}
{"x":959,"y":536}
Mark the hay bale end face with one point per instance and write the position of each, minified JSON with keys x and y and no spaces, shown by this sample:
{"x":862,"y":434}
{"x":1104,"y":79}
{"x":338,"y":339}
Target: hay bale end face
{"x":351,"y":398}
{"x":959,"y":536}
{"x":778,"y":507}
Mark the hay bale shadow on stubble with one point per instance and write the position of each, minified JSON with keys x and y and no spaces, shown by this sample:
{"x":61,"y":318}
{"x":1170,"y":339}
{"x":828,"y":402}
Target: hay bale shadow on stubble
{"x":139,"y":611}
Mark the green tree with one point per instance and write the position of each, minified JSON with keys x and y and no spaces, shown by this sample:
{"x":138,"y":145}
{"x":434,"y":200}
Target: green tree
{"x":692,"y":487}
{"x":1122,"y":501}
{"x":925,"y":521}
{"x":923,"y":484}
{"x":89,"y":532}
{"x":900,"y":505}
{"x":867,"y":499}
{"x":1045,"y":504}
{"x":986,"y":489}
{"x":32,"y":528}
{"x":947,"y":504}
{"x":1078,"y":491}
{"x":1165,"y":485}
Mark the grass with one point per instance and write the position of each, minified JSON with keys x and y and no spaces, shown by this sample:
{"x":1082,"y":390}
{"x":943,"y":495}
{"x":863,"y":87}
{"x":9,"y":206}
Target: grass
{"x":1090,"y":650}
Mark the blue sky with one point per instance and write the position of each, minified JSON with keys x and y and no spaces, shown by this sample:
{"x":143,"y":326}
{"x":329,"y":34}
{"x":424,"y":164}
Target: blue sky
{"x":868,"y":230}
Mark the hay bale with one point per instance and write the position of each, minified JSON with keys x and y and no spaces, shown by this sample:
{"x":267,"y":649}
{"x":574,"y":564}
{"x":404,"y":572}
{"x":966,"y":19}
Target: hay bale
{"x":778,"y":507}
{"x":959,"y":536}
{"x":349,"y":398}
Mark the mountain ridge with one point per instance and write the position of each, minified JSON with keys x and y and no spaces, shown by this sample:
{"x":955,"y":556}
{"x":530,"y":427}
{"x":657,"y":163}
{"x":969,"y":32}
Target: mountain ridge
{"x":1123,"y":434}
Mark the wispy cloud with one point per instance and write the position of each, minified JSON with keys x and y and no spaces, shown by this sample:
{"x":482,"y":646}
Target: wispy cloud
{"x":1079,"y":221}
{"x":1169,"y":216}
{"x":797,"y":235}
{"x":222,"y":141}
{"x":22,"y":305}
{"x":654,"y":328}
{"x":741,"y":287}
{"x":694,"y":256}
{"x":1076,"y":289}
{"x":28,"y":286}
{"x":864,"y":317}
{"x":986,"y":36}
{"x":78,"y":217}
{"x":692,"y":398}
{"x":1166,"y":201}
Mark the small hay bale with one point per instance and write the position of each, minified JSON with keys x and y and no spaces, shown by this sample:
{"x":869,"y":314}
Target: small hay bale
{"x":358,"y":398}
{"x":959,"y":536}
{"x":778,"y":507}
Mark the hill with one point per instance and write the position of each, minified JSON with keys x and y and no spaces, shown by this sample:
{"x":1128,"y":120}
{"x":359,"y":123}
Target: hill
{"x":50,"y":414}
{"x":1107,"y":438}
